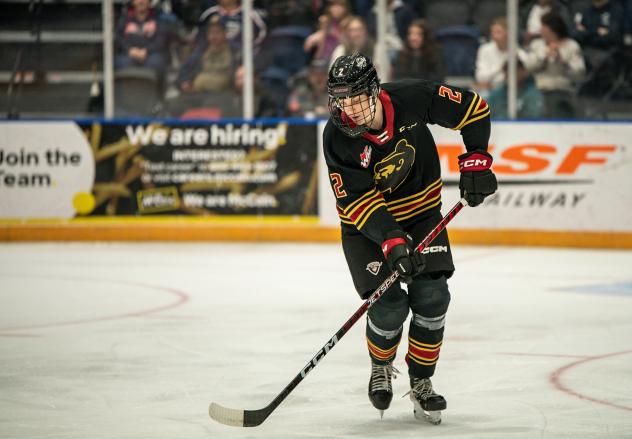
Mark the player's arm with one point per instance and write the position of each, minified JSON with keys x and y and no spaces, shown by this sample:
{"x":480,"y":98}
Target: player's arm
{"x":360,"y":203}
{"x":466,"y":111}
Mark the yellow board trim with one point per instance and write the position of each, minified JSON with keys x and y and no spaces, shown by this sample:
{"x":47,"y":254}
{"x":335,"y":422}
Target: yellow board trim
{"x":279,"y":229}
{"x":165,"y":219}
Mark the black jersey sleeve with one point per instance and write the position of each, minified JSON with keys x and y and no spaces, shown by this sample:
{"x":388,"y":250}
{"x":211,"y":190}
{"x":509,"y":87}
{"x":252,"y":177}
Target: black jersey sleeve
{"x":457,"y":109}
{"x":358,"y":201}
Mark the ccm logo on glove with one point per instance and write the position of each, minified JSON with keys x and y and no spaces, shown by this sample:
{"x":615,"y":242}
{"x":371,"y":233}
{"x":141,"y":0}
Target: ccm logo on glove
{"x":475,"y":162}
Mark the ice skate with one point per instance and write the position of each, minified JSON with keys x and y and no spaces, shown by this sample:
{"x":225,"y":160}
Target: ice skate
{"x":380,"y":386}
{"x":427,"y":403}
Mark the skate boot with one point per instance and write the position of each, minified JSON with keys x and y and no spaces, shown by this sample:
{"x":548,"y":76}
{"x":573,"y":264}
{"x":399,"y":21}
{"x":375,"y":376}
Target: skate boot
{"x":427,"y":403}
{"x":380,"y":386}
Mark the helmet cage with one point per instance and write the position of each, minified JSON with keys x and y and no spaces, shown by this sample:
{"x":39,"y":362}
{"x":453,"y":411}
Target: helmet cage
{"x":348,"y":87}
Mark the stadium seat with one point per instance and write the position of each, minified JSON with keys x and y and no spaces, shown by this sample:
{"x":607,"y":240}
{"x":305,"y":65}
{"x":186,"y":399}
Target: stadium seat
{"x":445,"y":13}
{"x":459,"y":44}
{"x":283,"y":49}
{"x":211,"y":113}
{"x":136,"y":92}
{"x":485,"y":11}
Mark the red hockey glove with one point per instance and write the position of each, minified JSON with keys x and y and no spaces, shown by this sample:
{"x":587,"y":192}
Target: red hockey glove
{"x":400,"y":255}
{"x":477,"y":180}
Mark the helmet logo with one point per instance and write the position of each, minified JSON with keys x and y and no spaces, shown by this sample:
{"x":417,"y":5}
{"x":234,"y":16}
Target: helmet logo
{"x":340,"y":72}
{"x":361,"y":62}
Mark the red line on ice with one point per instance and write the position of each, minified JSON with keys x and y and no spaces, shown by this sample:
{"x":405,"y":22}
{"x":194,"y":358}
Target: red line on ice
{"x":555,"y":379}
{"x":181,"y":298}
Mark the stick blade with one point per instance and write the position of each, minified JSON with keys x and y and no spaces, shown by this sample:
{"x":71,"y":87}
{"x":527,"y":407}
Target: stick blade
{"x":226,"y":416}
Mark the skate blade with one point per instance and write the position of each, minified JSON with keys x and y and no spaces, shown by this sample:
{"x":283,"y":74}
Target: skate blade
{"x":433,"y":417}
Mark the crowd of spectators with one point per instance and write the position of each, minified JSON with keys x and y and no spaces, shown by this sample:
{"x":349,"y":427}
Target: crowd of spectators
{"x":567,"y":49}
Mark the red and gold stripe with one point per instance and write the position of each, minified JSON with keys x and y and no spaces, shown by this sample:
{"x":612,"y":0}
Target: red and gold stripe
{"x":477,"y":110}
{"x":412,"y":205}
{"x":422,"y":353}
{"x":382,"y":354}
{"x":358,"y":212}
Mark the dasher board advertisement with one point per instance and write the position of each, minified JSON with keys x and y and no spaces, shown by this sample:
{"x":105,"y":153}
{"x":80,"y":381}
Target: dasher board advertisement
{"x":46,"y":170}
{"x":118,"y":169}
{"x":557,"y":176}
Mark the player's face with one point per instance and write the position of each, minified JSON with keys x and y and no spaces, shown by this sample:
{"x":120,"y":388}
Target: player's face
{"x":358,"y":108}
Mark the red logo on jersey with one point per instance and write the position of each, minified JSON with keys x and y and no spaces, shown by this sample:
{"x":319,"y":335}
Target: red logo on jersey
{"x":365,"y":157}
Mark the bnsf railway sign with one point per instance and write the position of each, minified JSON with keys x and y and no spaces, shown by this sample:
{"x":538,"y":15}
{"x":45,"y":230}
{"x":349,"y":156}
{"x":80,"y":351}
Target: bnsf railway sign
{"x":532,"y":159}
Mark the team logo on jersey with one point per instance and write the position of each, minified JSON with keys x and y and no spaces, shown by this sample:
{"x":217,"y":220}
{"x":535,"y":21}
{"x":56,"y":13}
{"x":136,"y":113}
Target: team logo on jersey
{"x":374,"y":267}
{"x":391,"y":172}
{"x":365,"y":156}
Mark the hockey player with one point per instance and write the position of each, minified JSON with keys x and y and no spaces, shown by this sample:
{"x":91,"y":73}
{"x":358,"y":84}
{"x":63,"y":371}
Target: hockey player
{"x":385,"y":173}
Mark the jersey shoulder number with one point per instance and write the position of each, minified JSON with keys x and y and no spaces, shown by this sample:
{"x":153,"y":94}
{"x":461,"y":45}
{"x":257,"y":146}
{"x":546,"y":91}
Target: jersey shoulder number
{"x":336,"y":181}
{"x":454,"y":96}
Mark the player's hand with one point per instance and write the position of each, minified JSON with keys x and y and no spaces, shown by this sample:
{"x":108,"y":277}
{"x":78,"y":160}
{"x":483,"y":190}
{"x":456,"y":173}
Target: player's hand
{"x":400,"y":255}
{"x":477,"y":179}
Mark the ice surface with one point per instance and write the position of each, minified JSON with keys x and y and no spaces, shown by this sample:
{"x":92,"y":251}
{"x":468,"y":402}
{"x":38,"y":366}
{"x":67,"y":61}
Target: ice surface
{"x":135,"y":341}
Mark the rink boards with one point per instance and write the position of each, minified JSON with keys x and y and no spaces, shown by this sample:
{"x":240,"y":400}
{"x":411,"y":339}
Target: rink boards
{"x":560,"y":183}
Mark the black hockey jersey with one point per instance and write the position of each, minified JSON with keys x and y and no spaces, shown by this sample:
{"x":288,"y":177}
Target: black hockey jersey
{"x":391,"y":179}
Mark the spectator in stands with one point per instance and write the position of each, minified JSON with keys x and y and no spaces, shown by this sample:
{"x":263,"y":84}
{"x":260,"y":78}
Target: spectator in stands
{"x":228,"y":103}
{"x":206,"y":75}
{"x":421,"y":56}
{"x":362,"y":8}
{"x":230,"y":15}
{"x":355,"y":38}
{"x":308,"y":97}
{"x":600,"y":25}
{"x":534,"y":20}
{"x":491,"y":58}
{"x":530,"y":102}
{"x":327,"y":37}
{"x":210,"y":70}
{"x":399,"y":15}
{"x":143,"y":38}
{"x":268,"y":103}
{"x":557,"y":63}
{"x":599,"y":29}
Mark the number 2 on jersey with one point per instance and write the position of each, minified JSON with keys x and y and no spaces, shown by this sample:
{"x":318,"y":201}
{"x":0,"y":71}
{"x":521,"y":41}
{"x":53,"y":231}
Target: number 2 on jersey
{"x":454,"y":96}
{"x":337,"y":185}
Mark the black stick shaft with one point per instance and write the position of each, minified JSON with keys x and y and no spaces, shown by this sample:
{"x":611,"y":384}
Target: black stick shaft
{"x":255,"y":417}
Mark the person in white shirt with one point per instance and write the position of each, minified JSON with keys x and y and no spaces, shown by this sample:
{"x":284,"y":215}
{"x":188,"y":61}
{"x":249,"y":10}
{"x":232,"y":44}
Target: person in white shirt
{"x":539,"y":9}
{"x":534,"y":21}
{"x":355,"y":38}
{"x":557,"y":62}
{"x":491,"y":58}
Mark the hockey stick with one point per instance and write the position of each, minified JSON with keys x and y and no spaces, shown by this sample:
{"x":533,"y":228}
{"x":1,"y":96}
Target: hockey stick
{"x":252,"y":418}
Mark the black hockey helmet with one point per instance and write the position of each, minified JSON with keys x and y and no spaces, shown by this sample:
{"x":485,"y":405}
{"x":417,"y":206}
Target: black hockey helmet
{"x":349,"y":76}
